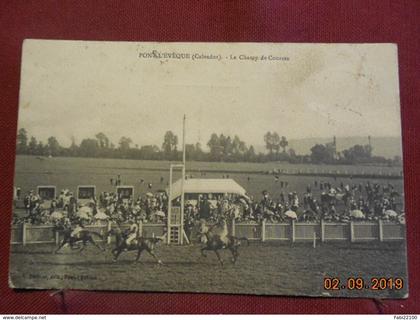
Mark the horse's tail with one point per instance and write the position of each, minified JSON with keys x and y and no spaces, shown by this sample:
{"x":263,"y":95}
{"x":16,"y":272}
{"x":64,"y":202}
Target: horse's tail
{"x":157,"y":239}
{"x":162,"y":237}
{"x":244,"y":238}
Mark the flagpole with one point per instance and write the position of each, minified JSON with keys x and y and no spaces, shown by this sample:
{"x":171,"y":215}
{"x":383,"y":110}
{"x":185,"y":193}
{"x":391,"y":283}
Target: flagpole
{"x":182,"y":183}
{"x":183,"y":140}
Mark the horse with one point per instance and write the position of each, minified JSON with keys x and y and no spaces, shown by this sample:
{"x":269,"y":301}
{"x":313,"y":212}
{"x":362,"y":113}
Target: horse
{"x":139,"y":243}
{"x":215,"y":242}
{"x":84,"y":237}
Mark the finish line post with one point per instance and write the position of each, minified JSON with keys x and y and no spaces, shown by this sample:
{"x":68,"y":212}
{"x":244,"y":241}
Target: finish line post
{"x":178,"y":221}
{"x":182,"y":183}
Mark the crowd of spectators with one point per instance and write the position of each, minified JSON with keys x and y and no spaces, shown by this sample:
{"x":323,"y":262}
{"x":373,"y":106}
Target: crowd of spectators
{"x":321,"y":200}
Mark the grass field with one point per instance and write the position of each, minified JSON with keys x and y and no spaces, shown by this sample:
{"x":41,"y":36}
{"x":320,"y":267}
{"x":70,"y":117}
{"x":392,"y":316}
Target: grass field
{"x":262,"y":268}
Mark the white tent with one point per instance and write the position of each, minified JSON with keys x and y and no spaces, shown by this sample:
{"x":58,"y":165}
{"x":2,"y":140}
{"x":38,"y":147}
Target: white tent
{"x":205,"y":186}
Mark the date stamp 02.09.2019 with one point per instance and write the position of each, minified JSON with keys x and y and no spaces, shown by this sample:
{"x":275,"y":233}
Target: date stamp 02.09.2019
{"x":359,"y":283}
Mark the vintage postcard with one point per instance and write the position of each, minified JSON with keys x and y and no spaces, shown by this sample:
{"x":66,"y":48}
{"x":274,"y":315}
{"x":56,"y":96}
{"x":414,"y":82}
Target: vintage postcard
{"x":243,"y":168}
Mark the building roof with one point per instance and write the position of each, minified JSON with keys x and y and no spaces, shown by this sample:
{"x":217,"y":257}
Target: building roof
{"x":208,"y":186}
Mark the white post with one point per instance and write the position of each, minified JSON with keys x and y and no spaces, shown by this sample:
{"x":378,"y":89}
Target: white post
{"x":185,"y":236}
{"x":181,"y":228}
{"x":140,"y":228}
{"x":24,"y":233}
{"x":293,"y":231}
{"x":181,"y":222}
{"x":263,"y":230}
{"x":314,"y":242}
{"x":109,"y":226}
{"x":183,"y":141}
{"x":169,"y":205}
{"x":381,"y":230}
{"x":233,"y":227}
{"x":322,"y":230}
{"x":57,"y":238}
{"x":351,"y":231}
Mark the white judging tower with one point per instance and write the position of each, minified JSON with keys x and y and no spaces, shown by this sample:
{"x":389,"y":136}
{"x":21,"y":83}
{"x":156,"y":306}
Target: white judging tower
{"x":176,"y":232}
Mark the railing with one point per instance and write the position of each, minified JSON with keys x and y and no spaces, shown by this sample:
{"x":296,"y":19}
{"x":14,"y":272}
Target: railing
{"x":293,"y":231}
{"x":384,"y":173}
{"x":323,"y":231}
{"x":31,"y":234}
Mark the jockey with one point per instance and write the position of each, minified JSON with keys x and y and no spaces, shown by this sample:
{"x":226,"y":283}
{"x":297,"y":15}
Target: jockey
{"x":132,"y":233}
{"x":203,"y":230}
{"x":223,"y":233}
{"x":79,"y":227}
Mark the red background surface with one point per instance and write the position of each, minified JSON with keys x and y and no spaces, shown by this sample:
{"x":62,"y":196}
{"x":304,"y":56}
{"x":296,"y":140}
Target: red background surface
{"x":269,"y":21}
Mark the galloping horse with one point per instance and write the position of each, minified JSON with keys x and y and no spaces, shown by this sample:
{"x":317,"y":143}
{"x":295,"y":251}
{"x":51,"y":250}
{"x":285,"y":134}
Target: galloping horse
{"x":84,"y":236}
{"x":215,"y":242}
{"x":139,"y":243}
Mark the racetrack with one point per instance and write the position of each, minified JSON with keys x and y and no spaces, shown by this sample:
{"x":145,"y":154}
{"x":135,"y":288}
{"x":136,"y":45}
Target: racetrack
{"x":263,"y":268}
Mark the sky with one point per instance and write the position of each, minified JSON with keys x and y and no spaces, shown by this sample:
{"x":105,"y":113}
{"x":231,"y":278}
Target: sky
{"x":77,"y":89}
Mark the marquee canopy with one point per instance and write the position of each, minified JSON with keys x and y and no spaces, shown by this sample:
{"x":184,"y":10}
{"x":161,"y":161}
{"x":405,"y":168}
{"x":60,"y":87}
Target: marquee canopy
{"x":204,"y":186}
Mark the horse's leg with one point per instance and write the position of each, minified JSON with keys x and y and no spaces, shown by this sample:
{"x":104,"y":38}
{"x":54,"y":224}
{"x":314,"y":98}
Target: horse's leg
{"x":90,"y":239}
{"x":116,"y":254}
{"x":218,"y":257}
{"x":202,"y":251}
{"x":83,"y":246}
{"x":154,"y":256}
{"x":61,"y":245}
{"x":73,"y":244}
{"x":139,"y":251}
{"x":234,"y":251}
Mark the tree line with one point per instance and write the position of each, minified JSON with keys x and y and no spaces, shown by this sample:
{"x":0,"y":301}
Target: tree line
{"x":220,"y":148}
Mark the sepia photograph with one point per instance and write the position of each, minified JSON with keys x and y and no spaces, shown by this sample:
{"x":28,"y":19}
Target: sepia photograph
{"x":239,"y":168}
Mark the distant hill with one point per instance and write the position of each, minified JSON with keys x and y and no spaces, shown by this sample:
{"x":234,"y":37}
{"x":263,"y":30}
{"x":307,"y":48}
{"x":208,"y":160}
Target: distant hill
{"x":387,"y":147}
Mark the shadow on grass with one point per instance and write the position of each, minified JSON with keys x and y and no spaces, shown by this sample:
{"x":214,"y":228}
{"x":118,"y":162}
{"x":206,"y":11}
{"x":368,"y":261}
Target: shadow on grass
{"x":123,"y":262}
{"x":28,"y":252}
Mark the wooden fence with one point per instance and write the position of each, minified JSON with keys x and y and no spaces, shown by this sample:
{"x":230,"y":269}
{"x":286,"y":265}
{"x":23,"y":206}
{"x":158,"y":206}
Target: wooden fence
{"x":32,"y":234}
{"x":293,"y":232}
{"x":323,"y":231}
